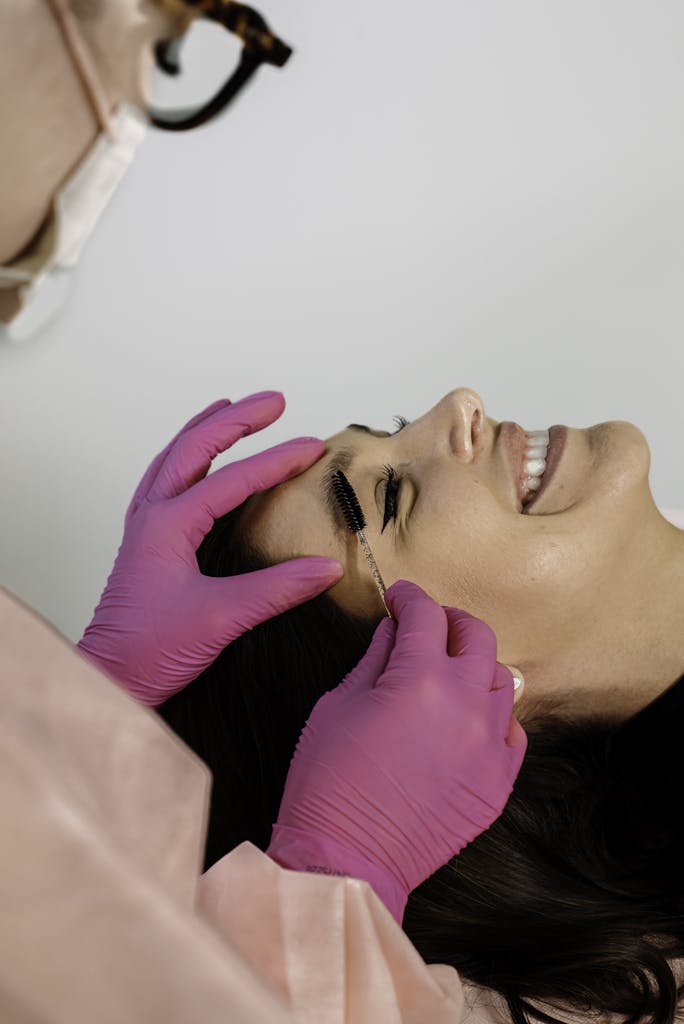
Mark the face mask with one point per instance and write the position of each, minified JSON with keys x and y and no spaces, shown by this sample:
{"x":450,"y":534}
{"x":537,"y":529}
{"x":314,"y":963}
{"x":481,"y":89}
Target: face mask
{"x":36,"y":279}
{"x":33,"y":286}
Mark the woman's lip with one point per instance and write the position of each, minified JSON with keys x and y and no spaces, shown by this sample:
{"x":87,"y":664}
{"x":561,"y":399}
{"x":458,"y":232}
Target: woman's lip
{"x":513,"y":440}
{"x":558,"y":435}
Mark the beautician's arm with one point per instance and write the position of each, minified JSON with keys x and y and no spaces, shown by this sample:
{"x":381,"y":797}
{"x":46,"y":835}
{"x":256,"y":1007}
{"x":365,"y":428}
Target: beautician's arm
{"x":103,"y":811}
{"x":411,"y":757}
{"x":103,"y":825}
{"x":328,"y":946}
{"x":160,"y":622}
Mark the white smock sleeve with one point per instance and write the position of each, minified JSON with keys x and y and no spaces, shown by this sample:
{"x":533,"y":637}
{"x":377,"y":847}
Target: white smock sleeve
{"x":103,"y":825}
{"x":327,"y":944}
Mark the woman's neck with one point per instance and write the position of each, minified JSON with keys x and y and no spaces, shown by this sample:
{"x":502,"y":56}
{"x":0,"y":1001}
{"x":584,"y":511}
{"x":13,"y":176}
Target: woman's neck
{"x":631,"y":647}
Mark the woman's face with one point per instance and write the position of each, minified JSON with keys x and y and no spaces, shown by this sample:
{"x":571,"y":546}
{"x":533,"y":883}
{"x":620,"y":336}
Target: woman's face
{"x":560,"y":584}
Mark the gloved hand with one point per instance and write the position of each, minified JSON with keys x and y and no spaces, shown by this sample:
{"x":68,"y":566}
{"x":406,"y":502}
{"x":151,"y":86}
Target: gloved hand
{"x":160,"y":622}
{"x":411,"y":757}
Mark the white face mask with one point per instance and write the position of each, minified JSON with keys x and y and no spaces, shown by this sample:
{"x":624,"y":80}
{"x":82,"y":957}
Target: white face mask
{"x":36,"y":283}
{"x":37,"y":277}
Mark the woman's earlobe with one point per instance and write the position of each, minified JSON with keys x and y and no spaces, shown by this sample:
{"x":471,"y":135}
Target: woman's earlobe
{"x":518,"y":680}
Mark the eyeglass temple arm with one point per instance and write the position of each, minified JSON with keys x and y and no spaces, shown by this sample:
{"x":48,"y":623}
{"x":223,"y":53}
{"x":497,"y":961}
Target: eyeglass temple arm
{"x":248,"y":25}
{"x":244,"y":22}
{"x":184,"y":120}
{"x":260,"y":47}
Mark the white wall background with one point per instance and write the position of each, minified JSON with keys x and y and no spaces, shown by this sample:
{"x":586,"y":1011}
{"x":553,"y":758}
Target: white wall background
{"x":428,"y":195}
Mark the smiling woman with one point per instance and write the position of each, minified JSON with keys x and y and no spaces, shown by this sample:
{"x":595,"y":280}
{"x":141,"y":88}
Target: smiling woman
{"x":572,"y":899}
{"x":557,"y":584}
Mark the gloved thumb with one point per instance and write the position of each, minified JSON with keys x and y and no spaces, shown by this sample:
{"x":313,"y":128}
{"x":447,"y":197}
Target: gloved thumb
{"x":366,"y":674}
{"x":268,"y":592}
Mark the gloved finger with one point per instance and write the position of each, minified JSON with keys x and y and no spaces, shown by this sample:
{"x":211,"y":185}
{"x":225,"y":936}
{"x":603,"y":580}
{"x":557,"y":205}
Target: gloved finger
{"x":268,"y":592}
{"x":505,"y":723}
{"x":150,"y":473}
{"x":473,"y":642}
{"x":469,"y":635}
{"x":229,"y":486}
{"x":503,"y":690}
{"x":366,"y":673}
{"x":516,"y":739}
{"x":190,"y":457}
{"x":421,"y":625}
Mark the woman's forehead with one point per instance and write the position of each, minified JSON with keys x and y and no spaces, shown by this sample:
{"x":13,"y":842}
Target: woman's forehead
{"x":294,"y":517}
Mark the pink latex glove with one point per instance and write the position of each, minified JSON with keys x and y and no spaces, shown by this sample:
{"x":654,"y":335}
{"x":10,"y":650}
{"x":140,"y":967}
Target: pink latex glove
{"x":411,"y":757}
{"x":160,"y":622}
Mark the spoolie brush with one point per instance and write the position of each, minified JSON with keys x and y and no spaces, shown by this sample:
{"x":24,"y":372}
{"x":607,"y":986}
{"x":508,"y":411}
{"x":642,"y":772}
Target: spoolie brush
{"x":356,"y":521}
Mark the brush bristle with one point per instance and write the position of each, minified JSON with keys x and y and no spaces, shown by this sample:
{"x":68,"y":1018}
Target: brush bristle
{"x":348,"y":502}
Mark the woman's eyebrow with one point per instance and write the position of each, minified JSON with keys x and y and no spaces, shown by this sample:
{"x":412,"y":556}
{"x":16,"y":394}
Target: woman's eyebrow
{"x":342,"y":460}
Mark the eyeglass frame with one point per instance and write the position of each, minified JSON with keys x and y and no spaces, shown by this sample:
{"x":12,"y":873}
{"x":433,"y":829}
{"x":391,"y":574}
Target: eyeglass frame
{"x":261,"y":46}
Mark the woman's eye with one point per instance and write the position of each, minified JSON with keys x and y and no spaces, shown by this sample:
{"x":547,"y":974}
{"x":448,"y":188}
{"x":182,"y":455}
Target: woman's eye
{"x":392,"y":486}
{"x":391,"y":496}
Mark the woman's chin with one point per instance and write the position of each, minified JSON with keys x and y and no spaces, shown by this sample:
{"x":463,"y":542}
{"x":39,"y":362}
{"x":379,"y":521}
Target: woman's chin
{"x":609,"y":471}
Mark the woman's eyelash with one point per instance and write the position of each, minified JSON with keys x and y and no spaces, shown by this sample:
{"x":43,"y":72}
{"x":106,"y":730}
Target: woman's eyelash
{"x":392,"y":486}
{"x":391,"y":496}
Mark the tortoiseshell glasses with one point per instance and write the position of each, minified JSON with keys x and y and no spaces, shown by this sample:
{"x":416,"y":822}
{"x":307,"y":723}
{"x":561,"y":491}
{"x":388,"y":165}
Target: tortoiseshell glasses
{"x":260,"y":46}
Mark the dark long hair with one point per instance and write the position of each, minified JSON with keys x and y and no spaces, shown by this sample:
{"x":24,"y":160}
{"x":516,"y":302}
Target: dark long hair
{"x":572,"y":897}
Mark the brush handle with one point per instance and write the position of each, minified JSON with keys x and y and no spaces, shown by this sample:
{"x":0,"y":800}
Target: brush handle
{"x":379,"y":582}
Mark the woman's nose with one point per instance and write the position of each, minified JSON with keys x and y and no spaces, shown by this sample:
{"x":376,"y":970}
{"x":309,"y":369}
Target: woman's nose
{"x":464,"y":411}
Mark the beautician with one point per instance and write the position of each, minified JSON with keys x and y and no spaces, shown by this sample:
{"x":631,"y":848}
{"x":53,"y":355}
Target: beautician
{"x":103,"y":809}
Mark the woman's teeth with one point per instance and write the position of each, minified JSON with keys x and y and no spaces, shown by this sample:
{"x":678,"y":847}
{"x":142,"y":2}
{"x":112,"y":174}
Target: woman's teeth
{"x":535,"y":461}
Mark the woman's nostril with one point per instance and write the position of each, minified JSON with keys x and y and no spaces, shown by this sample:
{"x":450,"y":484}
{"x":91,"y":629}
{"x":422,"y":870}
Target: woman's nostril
{"x":476,"y":426}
